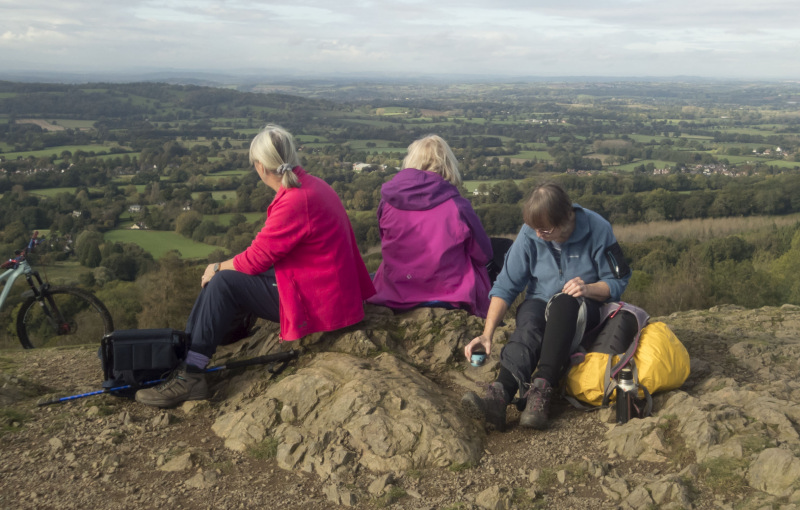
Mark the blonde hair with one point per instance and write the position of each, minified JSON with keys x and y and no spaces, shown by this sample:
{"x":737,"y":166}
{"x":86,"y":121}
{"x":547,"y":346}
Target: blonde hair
{"x":274,"y":148}
{"x":432,"y":153}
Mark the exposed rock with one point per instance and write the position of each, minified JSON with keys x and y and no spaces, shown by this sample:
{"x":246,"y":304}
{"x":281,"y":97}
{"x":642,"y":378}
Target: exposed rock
{"x":162,"y":420}
{"x":775,"y":471}
{"x":378,"y":486}
{"x":340,"y":495}
{"x":180,"y":463}
{"x":204,"y":480}
{"x":494,"y":498}
{"x":380,"y":412}
{"x":638,"y":499}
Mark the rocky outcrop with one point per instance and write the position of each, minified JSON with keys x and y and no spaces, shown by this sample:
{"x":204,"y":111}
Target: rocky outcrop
{"x":363,"y":398}
{"x":375,"y":398}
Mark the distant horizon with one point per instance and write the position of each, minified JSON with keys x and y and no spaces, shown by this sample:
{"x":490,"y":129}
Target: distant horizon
{"x":245,"y":77}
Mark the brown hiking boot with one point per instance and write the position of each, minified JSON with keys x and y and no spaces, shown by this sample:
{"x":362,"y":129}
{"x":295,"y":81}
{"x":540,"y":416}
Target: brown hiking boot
{"x":182,"y":385}
{"x":535,"y":414}
{"x":490,"y":409}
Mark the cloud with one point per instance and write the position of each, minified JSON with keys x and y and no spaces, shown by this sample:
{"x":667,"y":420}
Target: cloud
{"x":730,"y":38}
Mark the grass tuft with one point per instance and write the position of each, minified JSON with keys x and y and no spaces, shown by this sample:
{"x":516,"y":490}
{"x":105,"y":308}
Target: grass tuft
{"x":266,"y":449}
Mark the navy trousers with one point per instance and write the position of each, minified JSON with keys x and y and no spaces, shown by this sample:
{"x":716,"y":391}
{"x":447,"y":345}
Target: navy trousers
{"x":227,"y":295}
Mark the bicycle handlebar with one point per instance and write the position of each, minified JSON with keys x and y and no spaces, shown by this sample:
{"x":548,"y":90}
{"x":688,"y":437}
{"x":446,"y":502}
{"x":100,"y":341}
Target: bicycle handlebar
{"x":20,"y":255}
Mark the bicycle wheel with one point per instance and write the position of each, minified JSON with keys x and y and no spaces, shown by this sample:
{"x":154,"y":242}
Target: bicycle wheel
{"x":65,"y":316}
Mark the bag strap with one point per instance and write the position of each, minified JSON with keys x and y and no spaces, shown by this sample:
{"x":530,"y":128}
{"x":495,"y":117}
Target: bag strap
{"x":641,"y":319}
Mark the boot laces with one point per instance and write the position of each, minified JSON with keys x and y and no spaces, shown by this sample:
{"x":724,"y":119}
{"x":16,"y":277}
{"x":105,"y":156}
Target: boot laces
{"x":539,"y":397}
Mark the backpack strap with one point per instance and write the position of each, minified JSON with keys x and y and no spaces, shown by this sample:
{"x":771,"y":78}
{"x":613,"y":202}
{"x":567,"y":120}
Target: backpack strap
{"x":641,"y":318}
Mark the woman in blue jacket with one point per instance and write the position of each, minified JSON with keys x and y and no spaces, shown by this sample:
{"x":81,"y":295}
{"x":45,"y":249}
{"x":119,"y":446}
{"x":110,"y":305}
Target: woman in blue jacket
{"x":569,"y":262}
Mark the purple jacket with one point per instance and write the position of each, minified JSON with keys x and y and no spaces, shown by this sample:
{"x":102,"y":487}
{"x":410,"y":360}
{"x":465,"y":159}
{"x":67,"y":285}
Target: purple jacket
{"x":433,"y":244}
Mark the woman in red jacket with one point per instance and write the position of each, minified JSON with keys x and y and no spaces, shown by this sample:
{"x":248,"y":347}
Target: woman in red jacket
{"x":319,"y":280}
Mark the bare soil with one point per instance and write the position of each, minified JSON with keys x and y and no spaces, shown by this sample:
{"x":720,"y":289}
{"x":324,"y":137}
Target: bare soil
{"x":105,"y":452}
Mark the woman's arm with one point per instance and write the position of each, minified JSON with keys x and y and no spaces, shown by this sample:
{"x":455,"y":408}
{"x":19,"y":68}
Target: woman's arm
{"x":287,"y":225}
{"x":497,"y":310}
{"x":213,"y":269}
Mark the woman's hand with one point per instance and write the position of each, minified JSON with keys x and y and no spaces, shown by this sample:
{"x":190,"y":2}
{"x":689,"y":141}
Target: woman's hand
{"x":575,"y":287}
{"x":598,"y":291}
{"x":208,"y":275}
{"x":478,"y":342}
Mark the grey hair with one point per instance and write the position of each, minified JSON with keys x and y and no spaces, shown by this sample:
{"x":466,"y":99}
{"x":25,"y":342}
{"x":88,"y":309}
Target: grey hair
{"x":274,"y":148}
{"x":432,"y":153}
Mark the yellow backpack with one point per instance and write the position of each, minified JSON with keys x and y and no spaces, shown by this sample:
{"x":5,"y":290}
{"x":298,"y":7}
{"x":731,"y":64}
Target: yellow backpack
{"x":658,"y":359}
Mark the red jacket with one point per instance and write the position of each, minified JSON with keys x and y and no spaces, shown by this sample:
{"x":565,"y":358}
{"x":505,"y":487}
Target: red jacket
{"x":322,"y":280}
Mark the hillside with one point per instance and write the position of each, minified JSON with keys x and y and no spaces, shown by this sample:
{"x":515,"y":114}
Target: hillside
{"x":369,"y":417}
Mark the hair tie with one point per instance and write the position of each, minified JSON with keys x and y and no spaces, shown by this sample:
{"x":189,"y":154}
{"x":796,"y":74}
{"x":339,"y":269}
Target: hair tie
{"x":286,"y":167}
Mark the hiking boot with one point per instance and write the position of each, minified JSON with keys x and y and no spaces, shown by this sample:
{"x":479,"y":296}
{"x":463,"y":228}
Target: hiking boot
{"x":490,"y":409}
{"x":535,"y":414}
{"x":183,"y":384}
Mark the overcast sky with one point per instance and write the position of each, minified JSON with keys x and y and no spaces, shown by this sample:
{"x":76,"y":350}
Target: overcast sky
{"x":710,"y":38}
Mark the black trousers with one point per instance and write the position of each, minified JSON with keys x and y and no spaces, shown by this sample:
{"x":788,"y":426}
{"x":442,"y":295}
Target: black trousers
{"x":227,"y":295}
{"x":540,"y":348}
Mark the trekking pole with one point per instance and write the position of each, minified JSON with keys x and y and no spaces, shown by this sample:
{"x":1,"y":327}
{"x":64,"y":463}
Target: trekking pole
{"x":279,"y":357}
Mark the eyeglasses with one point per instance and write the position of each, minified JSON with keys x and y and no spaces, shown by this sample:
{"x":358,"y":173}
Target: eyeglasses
{"x":545,"y":232}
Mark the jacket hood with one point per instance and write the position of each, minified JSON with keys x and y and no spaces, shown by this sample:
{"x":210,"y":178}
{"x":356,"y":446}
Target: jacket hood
{"x":417,"y":190}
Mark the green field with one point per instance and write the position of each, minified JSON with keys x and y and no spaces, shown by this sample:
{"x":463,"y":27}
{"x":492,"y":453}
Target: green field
{"x":52,"y":192}
{"x":231,"y":173}
{"x":72,"y":123}
{"x":159,"y":242}
{"x":56,"y":151}
{"x":473,"y":185}
{"x":392,"y":110}
{"x":225,"y":219}
{"x":782,"y":163}
{"x":219,"y":196}
{"x":236,"y":174}
{"x":646,"y":138}
{"x":310,"y":139}
{"x":628,"y":167}
{"x":61,"y":273}
{"x":539,"y":155}
{"x":380,"y":146}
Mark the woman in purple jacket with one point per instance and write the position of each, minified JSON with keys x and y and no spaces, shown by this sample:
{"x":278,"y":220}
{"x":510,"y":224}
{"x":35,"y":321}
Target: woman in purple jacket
{"x":434,"y":247}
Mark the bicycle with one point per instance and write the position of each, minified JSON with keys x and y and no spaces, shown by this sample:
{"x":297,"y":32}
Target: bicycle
{"x":51,"y":315}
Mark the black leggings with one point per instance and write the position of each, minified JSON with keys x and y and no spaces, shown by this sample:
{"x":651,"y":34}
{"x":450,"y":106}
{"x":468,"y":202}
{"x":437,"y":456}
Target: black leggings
{"x":539,"y":348}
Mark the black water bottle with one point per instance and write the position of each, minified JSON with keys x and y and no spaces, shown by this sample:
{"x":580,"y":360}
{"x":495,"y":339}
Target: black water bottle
{"x":627,"y":391}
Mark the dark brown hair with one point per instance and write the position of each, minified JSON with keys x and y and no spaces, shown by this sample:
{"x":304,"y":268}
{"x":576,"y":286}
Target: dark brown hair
{"x":548,"y":206}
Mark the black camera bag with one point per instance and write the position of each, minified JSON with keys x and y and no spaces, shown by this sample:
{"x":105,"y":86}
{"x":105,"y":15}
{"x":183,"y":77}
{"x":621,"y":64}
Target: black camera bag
{"x":137,"y":356}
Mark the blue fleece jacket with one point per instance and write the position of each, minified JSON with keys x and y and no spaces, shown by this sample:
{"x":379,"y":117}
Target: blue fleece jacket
{"x":531,"y":263}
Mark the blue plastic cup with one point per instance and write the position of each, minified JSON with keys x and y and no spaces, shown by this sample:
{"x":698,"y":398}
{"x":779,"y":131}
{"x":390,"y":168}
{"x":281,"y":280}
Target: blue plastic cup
{"x":478,"y":358}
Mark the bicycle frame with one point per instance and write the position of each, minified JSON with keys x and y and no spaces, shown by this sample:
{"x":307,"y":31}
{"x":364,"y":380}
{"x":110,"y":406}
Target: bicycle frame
{"x":38,"y":289}
{"x":20,"y":266}
{"x":11,"y":275}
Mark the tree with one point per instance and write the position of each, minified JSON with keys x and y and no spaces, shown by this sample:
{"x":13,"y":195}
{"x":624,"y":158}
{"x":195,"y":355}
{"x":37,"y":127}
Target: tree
{"x":187,"y":222}
{"x":87,"y":248}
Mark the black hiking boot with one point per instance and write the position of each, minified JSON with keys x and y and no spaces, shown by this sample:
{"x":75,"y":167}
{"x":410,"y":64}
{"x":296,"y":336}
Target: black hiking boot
{"x":535,"y":414}
{"x":185,"y":383}
{"x":491,"y":409}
